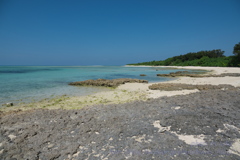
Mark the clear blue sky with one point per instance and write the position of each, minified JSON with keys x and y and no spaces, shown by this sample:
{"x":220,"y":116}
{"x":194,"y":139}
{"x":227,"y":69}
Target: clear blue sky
{"x":113,"y":32}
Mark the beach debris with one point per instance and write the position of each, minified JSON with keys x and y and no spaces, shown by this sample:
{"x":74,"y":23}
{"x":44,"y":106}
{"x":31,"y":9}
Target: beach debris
{"x":9,"y":104}
{"x":143,"y":75}
{"x":177,"y":108}
{"x":50,"y":145}
{"x":107,"y":83}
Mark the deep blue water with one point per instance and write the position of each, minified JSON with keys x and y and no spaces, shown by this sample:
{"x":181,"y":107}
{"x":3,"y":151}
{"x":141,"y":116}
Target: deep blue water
{"x":27,"y":83}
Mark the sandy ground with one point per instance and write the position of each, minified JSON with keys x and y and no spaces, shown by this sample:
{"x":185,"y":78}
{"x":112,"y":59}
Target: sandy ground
{"x":214,"y":70}
{"x":234,"y":81}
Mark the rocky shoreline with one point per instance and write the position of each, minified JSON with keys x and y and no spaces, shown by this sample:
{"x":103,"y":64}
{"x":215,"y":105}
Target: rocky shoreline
{"x":203,"y":125}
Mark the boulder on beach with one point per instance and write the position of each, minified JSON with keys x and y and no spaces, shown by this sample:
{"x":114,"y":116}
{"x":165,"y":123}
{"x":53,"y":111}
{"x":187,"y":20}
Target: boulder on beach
{"x":107,"y":82}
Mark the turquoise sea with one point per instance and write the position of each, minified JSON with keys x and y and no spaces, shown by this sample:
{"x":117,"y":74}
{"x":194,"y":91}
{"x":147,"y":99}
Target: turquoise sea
{"x":29,"y":83}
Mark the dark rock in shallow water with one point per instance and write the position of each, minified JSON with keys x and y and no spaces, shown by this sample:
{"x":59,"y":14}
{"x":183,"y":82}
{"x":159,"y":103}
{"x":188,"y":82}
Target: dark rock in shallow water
{"x":230,"y":74}
{"x":180,"y":72}
{"x":107,"y":83}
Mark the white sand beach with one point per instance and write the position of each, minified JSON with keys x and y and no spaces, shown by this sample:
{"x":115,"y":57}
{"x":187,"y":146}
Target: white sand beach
{"x":234,"y":81}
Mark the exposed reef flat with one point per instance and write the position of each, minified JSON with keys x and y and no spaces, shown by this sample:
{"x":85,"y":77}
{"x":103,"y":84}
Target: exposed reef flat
{"x":107,"y":82}
{"x":189,"y":74}
{"x":179,"y":86}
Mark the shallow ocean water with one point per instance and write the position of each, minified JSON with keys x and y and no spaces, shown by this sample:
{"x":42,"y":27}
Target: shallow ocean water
{"x":29,"y":83}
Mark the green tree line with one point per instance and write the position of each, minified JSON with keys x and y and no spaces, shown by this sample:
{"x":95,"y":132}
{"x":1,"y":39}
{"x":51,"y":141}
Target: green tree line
{"x":202,"y":58}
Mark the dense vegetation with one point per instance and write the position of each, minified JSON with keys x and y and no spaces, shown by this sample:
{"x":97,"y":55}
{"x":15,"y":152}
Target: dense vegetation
{"x":202,"y":58}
